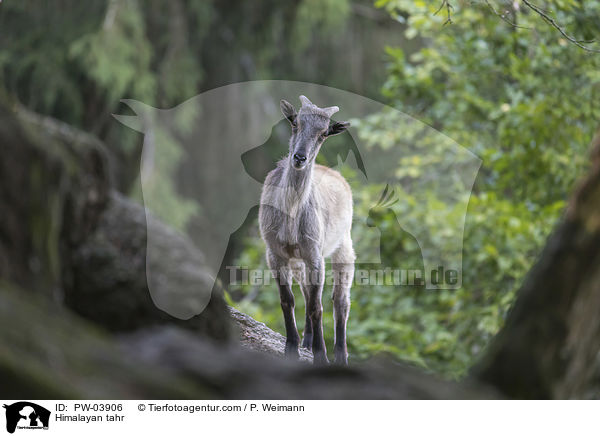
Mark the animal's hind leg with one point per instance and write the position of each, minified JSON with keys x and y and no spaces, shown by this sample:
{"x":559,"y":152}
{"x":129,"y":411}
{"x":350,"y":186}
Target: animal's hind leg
{"x":299,"y":272}
{"x":342,"y":264}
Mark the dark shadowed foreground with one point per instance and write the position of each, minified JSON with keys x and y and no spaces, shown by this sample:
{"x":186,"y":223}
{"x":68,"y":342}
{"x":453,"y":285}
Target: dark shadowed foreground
{"x":77,"y":319}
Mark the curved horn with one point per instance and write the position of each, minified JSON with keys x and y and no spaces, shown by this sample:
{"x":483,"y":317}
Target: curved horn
{"x":331,"y":110}
{"x":305,"y":101}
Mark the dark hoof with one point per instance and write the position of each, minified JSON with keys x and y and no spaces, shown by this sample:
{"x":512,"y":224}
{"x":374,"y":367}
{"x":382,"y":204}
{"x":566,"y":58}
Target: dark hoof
{"x":341,"y":361}
{"x":320,"y":360}
{"x":341,"y":358}
{"x":307,"y":342}
{"x":291,"y":351}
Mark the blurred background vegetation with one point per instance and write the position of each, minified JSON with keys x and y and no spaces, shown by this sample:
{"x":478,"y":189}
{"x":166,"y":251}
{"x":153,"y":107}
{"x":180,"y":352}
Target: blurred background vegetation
{"x":498,"y":80}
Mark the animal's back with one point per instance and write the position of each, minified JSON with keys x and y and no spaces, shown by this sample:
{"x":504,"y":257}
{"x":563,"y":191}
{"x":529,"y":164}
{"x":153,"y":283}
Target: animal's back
{"x":334,"y":178}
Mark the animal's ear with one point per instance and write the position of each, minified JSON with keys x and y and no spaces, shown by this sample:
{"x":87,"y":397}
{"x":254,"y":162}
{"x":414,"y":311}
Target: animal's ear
{"x":142,"y":118}
{"x":337,"y":128}
{"x":288,"y":111}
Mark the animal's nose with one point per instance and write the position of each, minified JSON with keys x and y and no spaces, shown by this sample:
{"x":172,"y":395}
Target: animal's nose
{"x":300,"y":158}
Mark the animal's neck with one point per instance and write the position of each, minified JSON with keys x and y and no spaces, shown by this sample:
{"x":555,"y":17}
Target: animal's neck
{"x":298,"y":187}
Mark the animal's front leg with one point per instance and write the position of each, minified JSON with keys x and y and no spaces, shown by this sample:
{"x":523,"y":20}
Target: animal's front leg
{"x":299,"y":273}
{"x":315,"y":269}
{"x":283,"y":276}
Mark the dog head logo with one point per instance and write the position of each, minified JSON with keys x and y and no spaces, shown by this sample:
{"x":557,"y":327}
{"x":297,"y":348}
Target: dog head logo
{"x":26,"y":415}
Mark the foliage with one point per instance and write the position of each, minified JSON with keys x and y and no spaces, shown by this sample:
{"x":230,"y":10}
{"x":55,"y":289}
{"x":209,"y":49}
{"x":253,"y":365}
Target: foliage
{"x":34,"y":64}
{"x":327,"y":16}
{"x":524,"y":100}
{"x":76,"y":60}
{"x":81,"y":60}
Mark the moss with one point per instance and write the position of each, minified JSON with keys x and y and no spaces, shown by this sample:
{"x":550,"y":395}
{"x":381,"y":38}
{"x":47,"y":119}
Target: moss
{"x":53,"y":235}
{"x":46,"y":352}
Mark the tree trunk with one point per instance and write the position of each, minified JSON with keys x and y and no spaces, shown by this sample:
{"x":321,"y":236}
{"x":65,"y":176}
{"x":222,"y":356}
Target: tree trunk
{"x":549,"y":345}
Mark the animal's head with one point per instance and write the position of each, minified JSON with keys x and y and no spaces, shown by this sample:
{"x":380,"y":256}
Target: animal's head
{"x":311,"y":125}
{"x":383,"y":207}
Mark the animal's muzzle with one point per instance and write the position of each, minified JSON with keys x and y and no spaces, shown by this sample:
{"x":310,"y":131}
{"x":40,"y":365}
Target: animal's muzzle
{"x":299,"y":160}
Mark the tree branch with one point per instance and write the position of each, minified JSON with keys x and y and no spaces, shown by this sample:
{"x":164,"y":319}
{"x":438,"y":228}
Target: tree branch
{"x":548,"y":19}
{"x":502,"y":16}
{"x":449,"y":7}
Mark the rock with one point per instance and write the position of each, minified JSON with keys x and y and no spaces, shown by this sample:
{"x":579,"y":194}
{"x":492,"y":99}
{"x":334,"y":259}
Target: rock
{"x":234,"y":372}
{"x":257,"y":336}
{"x":64,"y":232}
{"x":109,"y":276}
{"x":53,"y":187}
{"x":46,"y":352}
